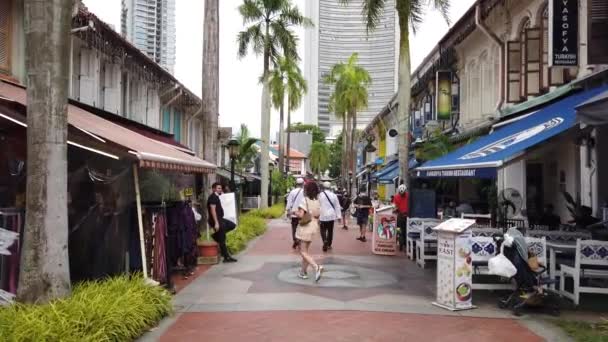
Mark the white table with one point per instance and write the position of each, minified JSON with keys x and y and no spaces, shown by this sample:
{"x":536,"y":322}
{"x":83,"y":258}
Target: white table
{"x":554,"y":248}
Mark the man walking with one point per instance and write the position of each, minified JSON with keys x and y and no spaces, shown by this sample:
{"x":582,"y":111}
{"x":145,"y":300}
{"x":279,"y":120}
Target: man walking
{"x":330,"y":212}
{"x":344,"y":200}
{"x":293,"y":200}
{"x":402,"y":205}
{"x":217,"y":222}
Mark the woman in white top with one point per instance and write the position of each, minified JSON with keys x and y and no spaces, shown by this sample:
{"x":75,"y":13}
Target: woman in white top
{"x":307,"y":232}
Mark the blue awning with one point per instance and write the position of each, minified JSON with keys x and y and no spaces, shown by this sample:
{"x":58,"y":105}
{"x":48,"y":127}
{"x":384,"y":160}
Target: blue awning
{"x":387,"y":168}
{"x":481,"y":158}
{"x":391,"y":171}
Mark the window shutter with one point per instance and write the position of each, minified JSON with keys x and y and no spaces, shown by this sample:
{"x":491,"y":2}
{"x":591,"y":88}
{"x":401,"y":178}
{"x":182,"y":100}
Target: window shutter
{"x":513,"y":71}
{"x":88,"y":69}
{"x":598,"y":32}
{"x":111,"y":92}
{"x":5,"y":36}
{"x":533,"y":61}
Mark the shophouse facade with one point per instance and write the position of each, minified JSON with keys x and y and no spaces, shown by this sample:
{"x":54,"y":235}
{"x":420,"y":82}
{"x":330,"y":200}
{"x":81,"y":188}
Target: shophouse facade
{"x":495,"y":63}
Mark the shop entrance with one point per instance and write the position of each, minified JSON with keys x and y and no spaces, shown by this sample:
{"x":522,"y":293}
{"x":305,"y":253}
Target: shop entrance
{"x":534,"y":190}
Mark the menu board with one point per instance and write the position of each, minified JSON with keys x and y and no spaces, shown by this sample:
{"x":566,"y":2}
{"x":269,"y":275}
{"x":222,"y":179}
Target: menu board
{"x":454,"y":270}
{"x":463,"y":269}
{"x":384,"y":238}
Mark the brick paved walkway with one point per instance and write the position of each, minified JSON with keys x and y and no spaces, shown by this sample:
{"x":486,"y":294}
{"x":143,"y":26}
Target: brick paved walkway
{"x":362,"y":297}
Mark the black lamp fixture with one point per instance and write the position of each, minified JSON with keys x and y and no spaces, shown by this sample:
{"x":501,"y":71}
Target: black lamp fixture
{"x":233,"y":152}
{"x":233,"y":148}
{"x":370,"y":148}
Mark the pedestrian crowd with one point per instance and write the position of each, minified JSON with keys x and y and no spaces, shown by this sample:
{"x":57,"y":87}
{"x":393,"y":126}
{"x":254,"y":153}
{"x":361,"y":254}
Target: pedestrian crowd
{"x":314,"y":209}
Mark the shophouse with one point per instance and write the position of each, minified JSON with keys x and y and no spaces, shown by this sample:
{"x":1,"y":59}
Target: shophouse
{"x":505,"y":70}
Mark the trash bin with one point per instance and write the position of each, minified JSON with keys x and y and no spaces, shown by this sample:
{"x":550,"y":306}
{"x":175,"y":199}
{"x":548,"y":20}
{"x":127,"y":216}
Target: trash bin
{"x":454,"y":265}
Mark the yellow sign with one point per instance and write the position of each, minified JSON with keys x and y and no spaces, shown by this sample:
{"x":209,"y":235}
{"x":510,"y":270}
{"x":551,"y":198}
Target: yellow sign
{"x":188,"y":192}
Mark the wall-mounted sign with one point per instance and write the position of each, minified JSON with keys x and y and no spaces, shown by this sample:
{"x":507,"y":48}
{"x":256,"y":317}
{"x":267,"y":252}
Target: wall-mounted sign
{"x":444,"y":95}
{"x":563,"y":32}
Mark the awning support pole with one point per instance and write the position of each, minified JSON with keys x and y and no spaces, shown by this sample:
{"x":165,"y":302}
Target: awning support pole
{"x":140,"y":222}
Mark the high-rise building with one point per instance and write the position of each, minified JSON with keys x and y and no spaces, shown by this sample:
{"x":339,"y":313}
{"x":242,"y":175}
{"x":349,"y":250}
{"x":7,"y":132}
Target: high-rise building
{"x":150,"y":26}
{"x":339,"y":31}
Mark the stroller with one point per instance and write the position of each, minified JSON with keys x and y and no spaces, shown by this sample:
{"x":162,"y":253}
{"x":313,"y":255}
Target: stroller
{"x":531,"y":278}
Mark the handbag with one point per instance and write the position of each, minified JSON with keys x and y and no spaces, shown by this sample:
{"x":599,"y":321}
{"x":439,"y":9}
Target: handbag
{"x":307,"y":217}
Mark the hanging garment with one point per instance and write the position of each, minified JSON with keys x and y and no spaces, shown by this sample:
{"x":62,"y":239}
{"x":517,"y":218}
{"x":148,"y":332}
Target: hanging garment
{"x":160,"y":263}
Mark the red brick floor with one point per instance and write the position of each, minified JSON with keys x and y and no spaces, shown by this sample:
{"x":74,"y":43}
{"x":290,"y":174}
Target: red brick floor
{"x":278,"y":241}
{"x":348,"y":326}
{"x":180,"y":282}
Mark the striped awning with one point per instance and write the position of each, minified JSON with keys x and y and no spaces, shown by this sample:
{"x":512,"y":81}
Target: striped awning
{"x":150,"y":153}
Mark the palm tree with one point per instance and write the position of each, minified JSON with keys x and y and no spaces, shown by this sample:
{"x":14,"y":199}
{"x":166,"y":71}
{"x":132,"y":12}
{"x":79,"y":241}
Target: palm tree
{"x":269,"y":33}
{"x":319,"y":158}
{"x":247,"y":150}
{"x":410,"y":13}
{"x":286,"y":80}
{"x":350,"y":95}
{"x":211,"y":89}
{"x":45,"y":270}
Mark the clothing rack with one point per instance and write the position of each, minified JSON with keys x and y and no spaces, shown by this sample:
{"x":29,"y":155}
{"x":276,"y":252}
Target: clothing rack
{"x":161,"y":207}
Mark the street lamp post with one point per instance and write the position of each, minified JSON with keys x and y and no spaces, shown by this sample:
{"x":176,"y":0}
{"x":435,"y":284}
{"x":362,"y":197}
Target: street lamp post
{"x":233,"y":151}
{"x":369,"y":148}
{"x":270,"y":169}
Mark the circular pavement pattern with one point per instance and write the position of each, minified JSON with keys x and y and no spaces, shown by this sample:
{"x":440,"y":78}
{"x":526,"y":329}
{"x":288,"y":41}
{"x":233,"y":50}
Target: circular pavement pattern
{"x":340,"y":276}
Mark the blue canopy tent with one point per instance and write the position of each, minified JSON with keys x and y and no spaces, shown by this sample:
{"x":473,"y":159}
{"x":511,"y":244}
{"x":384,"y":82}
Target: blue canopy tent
{"x":481,"y":158}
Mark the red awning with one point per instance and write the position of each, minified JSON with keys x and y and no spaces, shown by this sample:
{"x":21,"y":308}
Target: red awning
{"x":151,"y":153}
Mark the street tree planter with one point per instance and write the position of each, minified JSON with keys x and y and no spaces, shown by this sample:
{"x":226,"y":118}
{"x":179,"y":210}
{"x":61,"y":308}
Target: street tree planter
{"x":208,"y":252}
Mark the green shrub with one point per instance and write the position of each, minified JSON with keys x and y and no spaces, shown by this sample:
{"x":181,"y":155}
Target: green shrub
{"x":116,"y":309}
{"x":251,"y":225}
{"x":273,"y":212}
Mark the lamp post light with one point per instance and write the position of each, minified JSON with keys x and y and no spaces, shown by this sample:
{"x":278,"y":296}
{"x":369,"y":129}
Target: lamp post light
{"x":369,"y":148}
{"x":233,"y":152}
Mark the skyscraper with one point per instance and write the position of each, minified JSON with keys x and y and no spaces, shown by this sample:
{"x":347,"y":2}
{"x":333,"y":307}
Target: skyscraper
{"x":340,"y":31}
{"x":150,"y":26}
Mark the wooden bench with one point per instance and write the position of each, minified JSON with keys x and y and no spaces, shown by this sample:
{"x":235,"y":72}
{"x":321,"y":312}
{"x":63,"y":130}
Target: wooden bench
{"x":413,"y":232}
{"x":483,"y":248}
{"x":487,"y":232}
{"x":590,"y":262}
{"x":426,"y":246}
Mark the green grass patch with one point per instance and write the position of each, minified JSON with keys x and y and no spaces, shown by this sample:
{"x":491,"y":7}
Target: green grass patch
{"x":116,"y":309}
{"x":585,"y":331}
{"x":251,"y":225}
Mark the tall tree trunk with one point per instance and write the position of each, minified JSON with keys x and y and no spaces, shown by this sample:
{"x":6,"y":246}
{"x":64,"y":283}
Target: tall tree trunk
{"x":211,"y":90}
{"x":288,"y":148}
{"x":45,"y":266}
{"x":264,"y":150}
{"x":403,"y":97}
{"x":353,"y":160}
{"x":281,"y":147}
{"x":348,"y":154}
{"x":343,"y":168}
{"x":265,"y":127}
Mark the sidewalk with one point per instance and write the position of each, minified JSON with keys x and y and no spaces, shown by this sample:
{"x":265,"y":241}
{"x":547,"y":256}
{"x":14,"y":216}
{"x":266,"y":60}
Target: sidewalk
{"x":362,"y":297}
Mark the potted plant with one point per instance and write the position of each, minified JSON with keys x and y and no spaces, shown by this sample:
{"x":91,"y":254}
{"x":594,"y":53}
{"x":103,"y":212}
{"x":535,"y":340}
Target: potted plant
{"x":207,"y":250}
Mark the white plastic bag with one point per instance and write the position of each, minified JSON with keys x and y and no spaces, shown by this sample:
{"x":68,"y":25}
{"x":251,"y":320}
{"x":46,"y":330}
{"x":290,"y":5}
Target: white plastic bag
{"x":501,"y":266}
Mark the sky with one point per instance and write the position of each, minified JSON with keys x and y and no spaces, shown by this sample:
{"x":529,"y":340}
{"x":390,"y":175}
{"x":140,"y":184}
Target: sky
{"x":240,"y":91}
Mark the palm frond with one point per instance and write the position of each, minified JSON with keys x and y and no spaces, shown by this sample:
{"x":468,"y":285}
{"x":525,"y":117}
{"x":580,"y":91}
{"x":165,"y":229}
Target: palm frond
{"x":251,"y":11}
{"x":285,"y":39}
{"x":292,"y":16}
{"x":443,"y":7}
{"x":253,"y":37}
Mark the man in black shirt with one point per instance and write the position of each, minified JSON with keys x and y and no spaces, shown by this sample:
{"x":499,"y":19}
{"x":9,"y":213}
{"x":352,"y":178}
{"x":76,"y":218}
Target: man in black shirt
{"x":217,"y":222}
